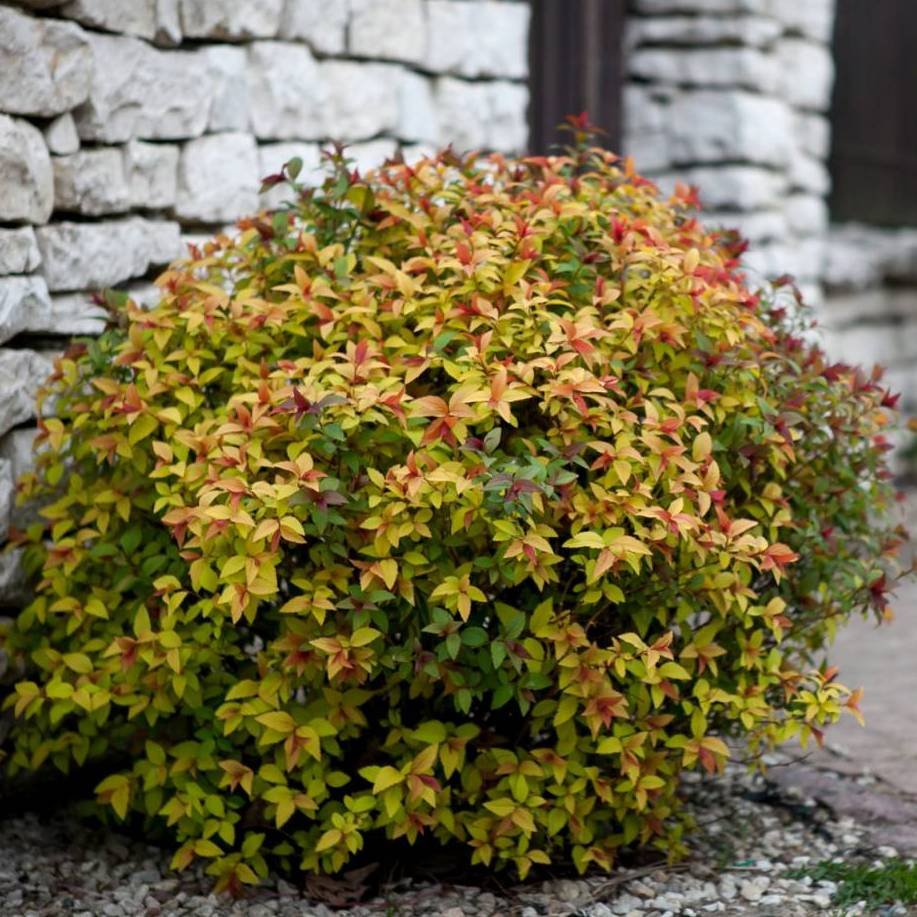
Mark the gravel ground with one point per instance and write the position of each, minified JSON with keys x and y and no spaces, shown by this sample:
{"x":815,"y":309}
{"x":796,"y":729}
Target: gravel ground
{"x":751,"y":834}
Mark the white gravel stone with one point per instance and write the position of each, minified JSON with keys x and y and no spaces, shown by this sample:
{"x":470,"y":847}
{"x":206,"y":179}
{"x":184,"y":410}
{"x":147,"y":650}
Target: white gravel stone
{"x":151,"y":171}
{"x":481,"y":115}
{"x":217,"y":178}
{"x":487,"y":38}
{"x":135,"y":17}
{"x":807,"y":73}
{"x":26,"y":182}
{"x":21,"y":374}
{"x":19,"y":252}
{"x":229,"y":109}
{"x":61,"y":136}
{"x":280,"y":109}
{"x":388,"y":29}
{"x":753,"y":889}
{"x":747,"y":68}
{"x":322,"y":25}
{"x":91,"y":182}
{"x":45,"y":65}
{"x":86,"y":256}
{"x":230,"y":20}
{"x":749,"y":31}
{"x":23,"y":301}
{"x":140,"y":91}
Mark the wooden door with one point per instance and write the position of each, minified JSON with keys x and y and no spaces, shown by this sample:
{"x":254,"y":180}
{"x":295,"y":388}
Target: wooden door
{"x":874,"y":112}
{"x":575,"y":65}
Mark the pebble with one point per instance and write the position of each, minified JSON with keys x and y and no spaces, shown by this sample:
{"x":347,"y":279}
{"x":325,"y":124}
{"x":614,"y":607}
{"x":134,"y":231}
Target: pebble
{"x":738,"y":864}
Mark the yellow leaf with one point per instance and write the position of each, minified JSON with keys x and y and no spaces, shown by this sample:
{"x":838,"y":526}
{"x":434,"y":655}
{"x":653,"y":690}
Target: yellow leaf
{"x":386,"y":778}
{"x":363,"y":635}
{"x":278,"y":720}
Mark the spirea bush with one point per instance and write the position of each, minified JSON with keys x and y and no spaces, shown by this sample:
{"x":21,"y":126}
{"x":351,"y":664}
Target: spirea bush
{"x":471,"y":501}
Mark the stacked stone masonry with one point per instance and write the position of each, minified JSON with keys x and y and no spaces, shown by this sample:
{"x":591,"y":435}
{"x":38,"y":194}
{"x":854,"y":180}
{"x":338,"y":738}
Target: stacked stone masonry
{"x":130,"y":126}
{"x":733,"y":95}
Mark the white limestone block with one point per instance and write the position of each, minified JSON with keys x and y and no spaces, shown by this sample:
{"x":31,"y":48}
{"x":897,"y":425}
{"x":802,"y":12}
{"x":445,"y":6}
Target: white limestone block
{"x":487,"y":38}
{"x":22,"y":301}
{"x":230,"y":20}
{"x":372,"y":153}
{"x":227,"y":67}
{"x":141,"y":91}
{"x":806,"y":214}
{"x":737,"y":187}
{"x":271,"y":159}
{"x":756,"y":227}
{"x":88,"y":256}
{"x":388,"y":29}
{"x":134,"y":17}
{"x":808,"y":173}
{"x":481,"y":115}
{"x":217,"y":178}
{"x":320,"y":24}
{"x":22,"y":372}
{"x":45,"y":64}
{"x":746,"y":68}
{"x":690,"y":31}
{"x":151,"y":171}
{"x":709,"y":126}
{"x":14,"y":590}
{"x":813,"y":19}
{"x":16,"y":448}
{"x":807,"y":73}
{"x":19,"y":252}
{"x":362,"y":99}
{"x":91,"y":182}
{"x":61,"y":136}
{"x":281,"y":108}
{"x":26,"y":179}
{"x":73,"y":314}
{"x":7,"y":495}
{"x":417,"y":117}
{"x":813,"y":133}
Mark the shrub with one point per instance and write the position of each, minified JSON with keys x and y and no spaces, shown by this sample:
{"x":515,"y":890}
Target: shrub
{"x":472,"y":500}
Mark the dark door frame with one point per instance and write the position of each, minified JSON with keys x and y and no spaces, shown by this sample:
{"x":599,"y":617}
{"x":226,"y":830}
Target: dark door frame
{"x":575,"y":65}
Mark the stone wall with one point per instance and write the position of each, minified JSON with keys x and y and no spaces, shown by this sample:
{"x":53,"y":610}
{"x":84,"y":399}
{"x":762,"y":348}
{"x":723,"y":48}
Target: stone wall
{"x":732,"y":95}
{"x":870,"y":310}
{"x":126,"y":125}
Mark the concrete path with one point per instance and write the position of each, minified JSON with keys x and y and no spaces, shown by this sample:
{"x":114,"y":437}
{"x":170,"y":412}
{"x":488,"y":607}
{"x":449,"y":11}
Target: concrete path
{"x":883,"y":661}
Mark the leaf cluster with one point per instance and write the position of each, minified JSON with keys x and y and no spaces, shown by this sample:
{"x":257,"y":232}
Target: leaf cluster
{"x":472,"y":500}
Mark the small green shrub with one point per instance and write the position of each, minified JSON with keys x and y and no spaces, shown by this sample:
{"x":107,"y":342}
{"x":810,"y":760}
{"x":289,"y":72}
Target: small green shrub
{"x":472,"y":500}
